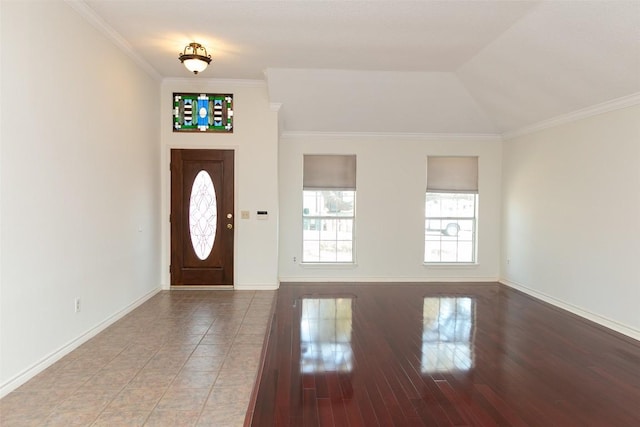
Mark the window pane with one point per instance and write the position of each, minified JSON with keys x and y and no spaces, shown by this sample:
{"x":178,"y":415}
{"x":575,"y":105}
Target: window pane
{"x":433,"y":206}
{"x":328,"y":203}
{"x":328,"y":229}
{"x":327,"y":223}
{"x":448,"y":252}
{"x":311,"y":250}
{"x":432,"y":251}
{"x":310,"y":229}
{"x":465,"y":251}
{"x":345,"y":251}
{"x":345,"y":229}
{"x":328,"y":251}
{"x":203,"y":215}
{"x":466,"y":230}
{"x":311,"y":203}
{"x":450,"y":205}
{"x":450,"y":227}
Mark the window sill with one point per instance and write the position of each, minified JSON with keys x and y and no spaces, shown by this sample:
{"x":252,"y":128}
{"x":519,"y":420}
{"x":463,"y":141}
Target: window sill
{"x":337,"y":265}
{"x":450,"y":265}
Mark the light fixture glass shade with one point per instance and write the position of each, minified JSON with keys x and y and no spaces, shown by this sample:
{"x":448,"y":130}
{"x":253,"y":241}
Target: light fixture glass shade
{"x":195,"y":65}
{"x":195,"y":58}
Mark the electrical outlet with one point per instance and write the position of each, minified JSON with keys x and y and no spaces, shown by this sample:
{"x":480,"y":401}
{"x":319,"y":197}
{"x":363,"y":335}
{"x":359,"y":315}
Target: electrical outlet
{"x":295,"y":259}
{"x":77,"y":305}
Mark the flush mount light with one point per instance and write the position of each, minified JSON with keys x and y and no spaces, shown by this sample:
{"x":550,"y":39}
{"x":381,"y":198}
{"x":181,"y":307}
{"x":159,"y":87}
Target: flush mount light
{"x":195,"y":58}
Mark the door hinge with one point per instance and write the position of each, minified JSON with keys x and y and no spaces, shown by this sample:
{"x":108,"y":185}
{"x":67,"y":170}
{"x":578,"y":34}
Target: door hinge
{"x":169,"y":268}
{"x":169,"y":217}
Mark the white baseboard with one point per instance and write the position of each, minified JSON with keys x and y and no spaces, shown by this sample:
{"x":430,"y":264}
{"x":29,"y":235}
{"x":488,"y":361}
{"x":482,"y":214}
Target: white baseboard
{"x":257,"y":287}
{"x":58,"y":354}
{"x":387,"y":280}
{"x":236,"y":287}
{"x":601,"y":320}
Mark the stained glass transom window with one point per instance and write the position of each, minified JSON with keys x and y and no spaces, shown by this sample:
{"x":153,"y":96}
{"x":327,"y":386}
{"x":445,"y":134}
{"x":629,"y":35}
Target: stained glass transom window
{"x":203,"y":215}
{"x":202,"y":112}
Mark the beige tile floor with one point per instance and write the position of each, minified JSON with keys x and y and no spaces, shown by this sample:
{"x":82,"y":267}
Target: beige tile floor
{"x":183,"y":358}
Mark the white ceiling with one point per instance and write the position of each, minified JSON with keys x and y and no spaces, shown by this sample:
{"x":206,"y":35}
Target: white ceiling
{"x":397,"y":66}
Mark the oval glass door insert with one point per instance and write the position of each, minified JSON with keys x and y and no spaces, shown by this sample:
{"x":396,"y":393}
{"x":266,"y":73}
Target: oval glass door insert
{"x":203,"y":215}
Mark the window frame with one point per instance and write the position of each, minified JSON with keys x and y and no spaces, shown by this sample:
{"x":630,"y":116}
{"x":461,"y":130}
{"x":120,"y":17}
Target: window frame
{"x":474,"y":231}
{"x":307,"y":217}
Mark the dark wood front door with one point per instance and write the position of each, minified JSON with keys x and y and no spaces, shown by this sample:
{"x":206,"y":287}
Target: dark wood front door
{"x":202,"y":217}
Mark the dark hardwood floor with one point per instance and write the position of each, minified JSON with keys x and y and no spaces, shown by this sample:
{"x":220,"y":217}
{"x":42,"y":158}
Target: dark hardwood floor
{"x":440,"y":355}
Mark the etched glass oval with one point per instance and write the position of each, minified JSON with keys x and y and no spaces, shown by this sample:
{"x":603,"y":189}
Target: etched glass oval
{"x":203,"y":215}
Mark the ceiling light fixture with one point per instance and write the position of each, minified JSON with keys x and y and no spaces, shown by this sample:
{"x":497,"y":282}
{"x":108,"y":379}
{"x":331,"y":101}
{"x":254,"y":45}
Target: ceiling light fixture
{"x":193,"y":59}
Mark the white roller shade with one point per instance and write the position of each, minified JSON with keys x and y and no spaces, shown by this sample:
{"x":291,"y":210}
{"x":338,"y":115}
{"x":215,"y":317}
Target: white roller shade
{"x":329,"y":171}
{"x":452,"y":174}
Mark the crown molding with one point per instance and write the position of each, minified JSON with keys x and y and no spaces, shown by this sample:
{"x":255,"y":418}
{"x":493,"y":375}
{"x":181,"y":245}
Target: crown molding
{"x":605,"y":107}
{"x":101,"y":25}
{"x":214,"y":82}
{"x":396,"y":135}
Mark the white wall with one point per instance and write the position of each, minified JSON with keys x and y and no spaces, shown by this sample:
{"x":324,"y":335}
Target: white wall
{"x":80,"y":196}
{"x":390,"y":198}
{"x":255,"y":141}
{"x":572,"y":217}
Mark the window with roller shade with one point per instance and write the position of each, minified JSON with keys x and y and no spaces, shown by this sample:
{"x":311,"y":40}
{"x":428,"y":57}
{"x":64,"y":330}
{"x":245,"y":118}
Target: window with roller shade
{"x":328,"y":212}
{"x":451,"y":207}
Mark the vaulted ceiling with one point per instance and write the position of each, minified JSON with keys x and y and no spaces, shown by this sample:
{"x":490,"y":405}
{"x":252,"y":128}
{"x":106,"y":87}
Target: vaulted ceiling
{"x":463,"y":67}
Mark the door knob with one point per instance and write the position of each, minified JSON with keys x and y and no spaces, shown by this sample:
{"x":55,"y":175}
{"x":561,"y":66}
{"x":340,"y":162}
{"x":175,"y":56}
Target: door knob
{"x":229,"y":226}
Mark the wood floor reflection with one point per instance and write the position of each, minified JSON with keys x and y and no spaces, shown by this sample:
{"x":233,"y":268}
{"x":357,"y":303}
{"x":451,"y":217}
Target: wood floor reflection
{"x":440,"y":355}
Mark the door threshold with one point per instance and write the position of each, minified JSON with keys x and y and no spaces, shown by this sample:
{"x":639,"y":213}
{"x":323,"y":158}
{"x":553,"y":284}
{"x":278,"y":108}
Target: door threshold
{"x":201,"y":288}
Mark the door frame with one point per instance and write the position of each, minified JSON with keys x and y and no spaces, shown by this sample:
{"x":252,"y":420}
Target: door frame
{"x":165,"y":206}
